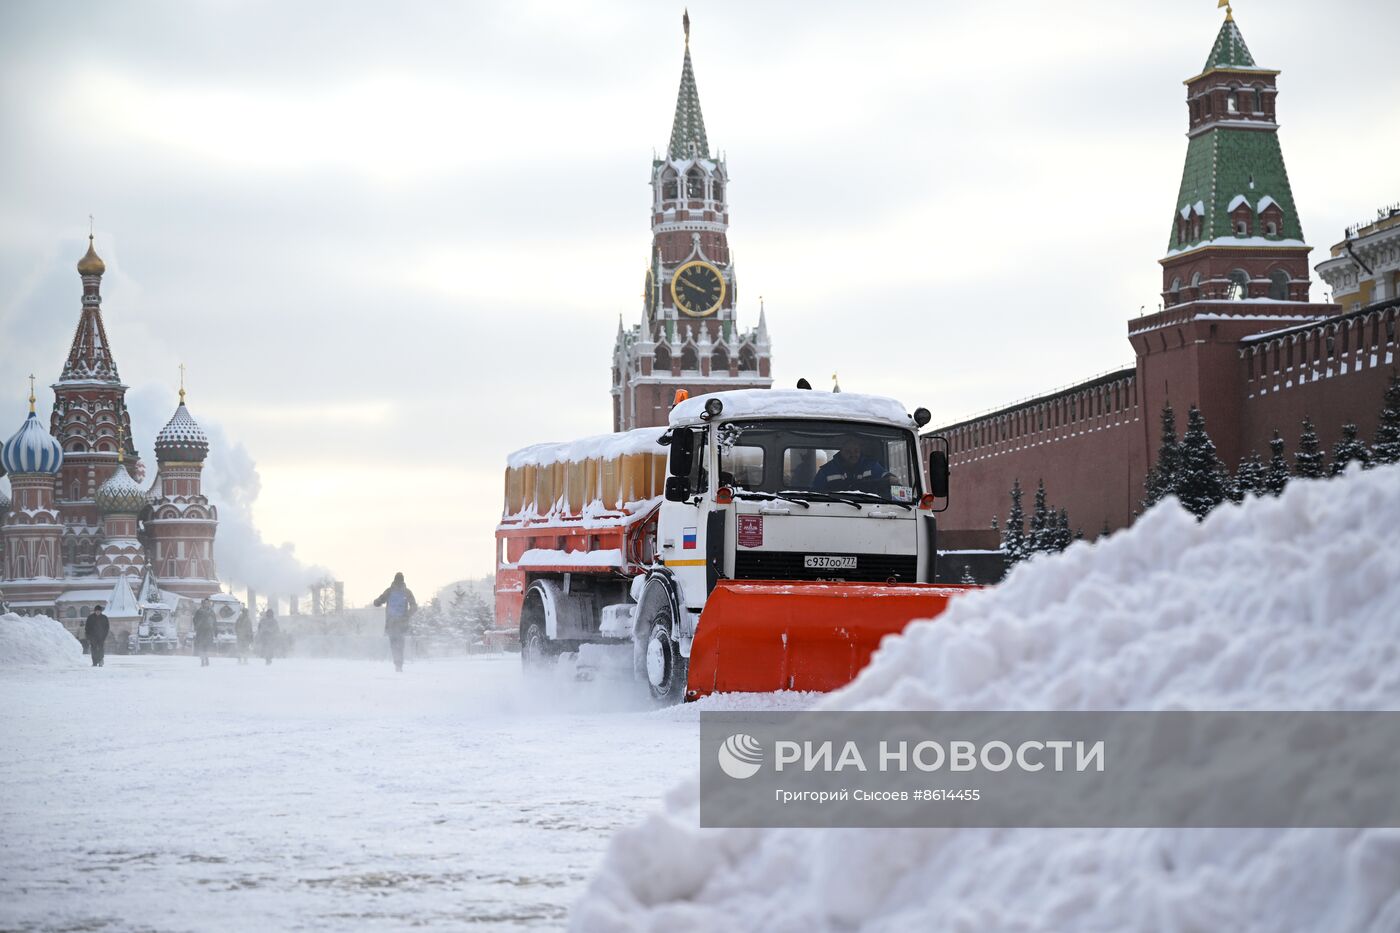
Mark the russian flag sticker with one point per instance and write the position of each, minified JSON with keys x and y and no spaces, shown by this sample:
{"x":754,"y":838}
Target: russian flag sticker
{"x":688,"y":537}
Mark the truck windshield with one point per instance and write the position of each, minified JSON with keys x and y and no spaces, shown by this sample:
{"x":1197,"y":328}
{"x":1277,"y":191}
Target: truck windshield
{"x":830,"y":457}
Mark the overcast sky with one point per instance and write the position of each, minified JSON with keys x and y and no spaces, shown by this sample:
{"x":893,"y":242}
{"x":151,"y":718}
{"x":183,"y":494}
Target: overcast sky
{"x":391,"y":240}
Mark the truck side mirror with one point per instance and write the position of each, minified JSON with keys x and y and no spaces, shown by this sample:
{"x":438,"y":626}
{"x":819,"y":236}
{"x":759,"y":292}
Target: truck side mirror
{"x":938,"y":473}
{"x":677,"y":488}
{"x":682,"y":454}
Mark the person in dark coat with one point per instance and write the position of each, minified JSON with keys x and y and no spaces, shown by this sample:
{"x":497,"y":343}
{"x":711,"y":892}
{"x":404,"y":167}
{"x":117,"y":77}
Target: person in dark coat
{"x":399,"y":606}
{"x":268,"y":634}
{"x":243,"y":631}
{"x":204,"y":631}
{"x":96,"y":628}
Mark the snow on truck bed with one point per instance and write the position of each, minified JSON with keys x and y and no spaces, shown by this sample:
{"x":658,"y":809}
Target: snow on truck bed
{"x":1288,"y":603}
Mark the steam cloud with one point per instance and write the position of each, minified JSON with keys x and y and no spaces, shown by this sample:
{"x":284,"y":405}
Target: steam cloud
{"x":231,"y":482}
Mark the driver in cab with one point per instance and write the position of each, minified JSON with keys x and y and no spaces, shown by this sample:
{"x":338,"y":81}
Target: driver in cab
{"x":850,"y":469}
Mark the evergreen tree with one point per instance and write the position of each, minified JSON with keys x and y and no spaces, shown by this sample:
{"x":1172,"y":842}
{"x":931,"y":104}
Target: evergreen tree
{"x":1013,"y":537}
{"x":1203,"y":481}
{"x":1309,"y":460}
{"x":1349,"y":448}
{"x":967,"y":578}
{"x":1251,"y":479}
{"x":1063,"y":536}
{"x":1162,"y":478}
{"x":1386,"y":449}
{"x":1042,"y":524}
{"x":1276,"y":476}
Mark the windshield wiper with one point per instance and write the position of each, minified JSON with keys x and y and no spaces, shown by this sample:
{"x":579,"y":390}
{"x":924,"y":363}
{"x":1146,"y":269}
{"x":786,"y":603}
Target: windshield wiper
{"x":821,"y":496}
{"x":769,"y":497}
{"x":876,"y":497}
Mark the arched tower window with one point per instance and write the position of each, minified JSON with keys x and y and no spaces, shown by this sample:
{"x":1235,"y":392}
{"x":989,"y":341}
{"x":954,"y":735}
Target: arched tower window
{"x":1238,"y":287}
{"x":748,"y":360}
{"x":670,"y":190}
{"x":1232,"y":102}
{"x":695,"y":184}
{"x":690,"y":360}
{"x":717,"y":189}
{"x":1258,"y":100}
{"x":663,"y":358}
{"x":1278,"y":285}
{"x":1176,"y":290}
{"x":719,"y":360}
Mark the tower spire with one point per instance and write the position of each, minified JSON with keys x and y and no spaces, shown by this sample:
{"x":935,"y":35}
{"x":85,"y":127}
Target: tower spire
{"x":182,"y":383}
{"x":688,"y":140}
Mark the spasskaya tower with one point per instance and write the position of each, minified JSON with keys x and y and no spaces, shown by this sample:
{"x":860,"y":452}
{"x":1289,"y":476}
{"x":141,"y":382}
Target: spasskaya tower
{"x":689,"y":336}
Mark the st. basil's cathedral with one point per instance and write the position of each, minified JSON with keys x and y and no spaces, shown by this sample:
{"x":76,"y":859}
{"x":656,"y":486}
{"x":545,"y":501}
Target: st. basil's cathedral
{"x":77,"y":527}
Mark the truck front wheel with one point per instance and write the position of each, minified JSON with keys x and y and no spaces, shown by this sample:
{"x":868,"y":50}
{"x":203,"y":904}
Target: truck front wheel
{"x":535,"y":650}
{"x":663,"y":665}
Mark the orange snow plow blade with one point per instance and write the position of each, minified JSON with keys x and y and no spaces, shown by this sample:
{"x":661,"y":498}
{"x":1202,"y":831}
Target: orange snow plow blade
{"x":763,"y":636}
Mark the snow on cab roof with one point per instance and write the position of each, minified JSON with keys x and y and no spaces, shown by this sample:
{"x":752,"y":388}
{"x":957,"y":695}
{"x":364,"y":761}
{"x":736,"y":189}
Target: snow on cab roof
{"x":603,"y":446}
{"x":797,"y":403}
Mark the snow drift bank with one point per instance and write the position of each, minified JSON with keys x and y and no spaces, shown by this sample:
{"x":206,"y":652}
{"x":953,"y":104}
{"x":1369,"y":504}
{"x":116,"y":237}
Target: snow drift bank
{"x":36,"y":641}
{"x":1289,"y":603}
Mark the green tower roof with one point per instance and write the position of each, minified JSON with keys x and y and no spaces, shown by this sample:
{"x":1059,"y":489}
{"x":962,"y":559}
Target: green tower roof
{"x":1227,"y":166}
{"x":688,"y":139}
{"x":1229,"y":50}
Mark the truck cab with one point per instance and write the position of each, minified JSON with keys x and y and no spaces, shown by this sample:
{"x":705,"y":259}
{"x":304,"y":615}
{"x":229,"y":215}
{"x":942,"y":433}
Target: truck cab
{"x":782,"y":485}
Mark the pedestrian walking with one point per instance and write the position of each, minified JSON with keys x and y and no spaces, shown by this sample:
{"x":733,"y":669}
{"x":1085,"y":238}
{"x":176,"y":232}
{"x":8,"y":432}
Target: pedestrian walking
{"x":243,"y":631}
{"x":399,"y":606}
{"x":96,"y":628}
{"x":268,"y":633}
{"x":204,"y":631}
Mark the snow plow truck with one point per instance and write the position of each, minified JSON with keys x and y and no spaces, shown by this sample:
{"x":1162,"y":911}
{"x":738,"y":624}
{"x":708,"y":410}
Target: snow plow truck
{"x":763,"y":540}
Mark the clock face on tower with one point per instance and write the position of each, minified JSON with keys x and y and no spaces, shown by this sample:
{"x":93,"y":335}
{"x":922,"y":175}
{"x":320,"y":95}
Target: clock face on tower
{"x":698,"y":288}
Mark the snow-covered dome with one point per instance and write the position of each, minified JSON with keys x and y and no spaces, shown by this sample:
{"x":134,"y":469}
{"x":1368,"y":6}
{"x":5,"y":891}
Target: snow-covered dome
{"x":182,"y":438}
{"x":120,"y":494}
{"x":32,"y":449}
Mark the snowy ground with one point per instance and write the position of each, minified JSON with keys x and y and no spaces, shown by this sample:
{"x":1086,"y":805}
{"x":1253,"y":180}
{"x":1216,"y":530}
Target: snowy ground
{"x":316,"y":794}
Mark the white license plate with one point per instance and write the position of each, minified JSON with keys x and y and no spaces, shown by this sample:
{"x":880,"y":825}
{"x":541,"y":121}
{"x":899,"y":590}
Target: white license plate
{"x":823,"y":562}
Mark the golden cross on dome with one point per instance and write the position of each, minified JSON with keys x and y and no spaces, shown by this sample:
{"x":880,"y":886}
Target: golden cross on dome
{"x":1229,"y":13}
{"x":121,"y":444}
{"x":91,"y":222}
{"x":182,"y":383}
{"x":31,"y":393}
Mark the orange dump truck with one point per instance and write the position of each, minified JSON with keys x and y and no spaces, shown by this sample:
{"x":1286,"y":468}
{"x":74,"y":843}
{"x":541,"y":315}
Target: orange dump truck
{"x":764,"y":540}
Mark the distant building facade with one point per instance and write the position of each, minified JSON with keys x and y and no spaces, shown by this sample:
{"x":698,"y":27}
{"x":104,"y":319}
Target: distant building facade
{"x":77,"y":520}
{"x":1237,"y":335}
{"x":689,"y":336}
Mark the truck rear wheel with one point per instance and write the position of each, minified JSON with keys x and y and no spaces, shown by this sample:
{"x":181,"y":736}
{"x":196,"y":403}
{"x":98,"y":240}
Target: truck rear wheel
{"x":664,"y":667}
{"x":535,"y":649}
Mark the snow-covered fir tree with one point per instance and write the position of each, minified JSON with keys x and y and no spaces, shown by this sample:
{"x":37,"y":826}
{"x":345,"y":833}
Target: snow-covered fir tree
{"x":1386,"y":449}
{"x":1348,"y":448}
{"x":1203,"y":482}
{"x":1063,"y":537}
{"x":1042,"y":524}
{"x":1309,"y":461}
{"x":1251,"y":479}
{"x":1276,"y":476}
{"x":967,"y":577}
{"x":1162,"y":478}
{"x":1013,"y":537}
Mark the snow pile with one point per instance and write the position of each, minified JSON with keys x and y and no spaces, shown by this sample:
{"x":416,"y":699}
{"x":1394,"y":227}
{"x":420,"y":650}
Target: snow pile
{"x":1288,"y":603}
{"x":37,"y":640}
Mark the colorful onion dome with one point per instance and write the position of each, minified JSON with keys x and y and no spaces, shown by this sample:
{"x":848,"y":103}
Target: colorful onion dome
{"x":182,"y":438}
{"x":120,"y":494}
{"x":31,"y":449}
{"x":91,"y":263}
